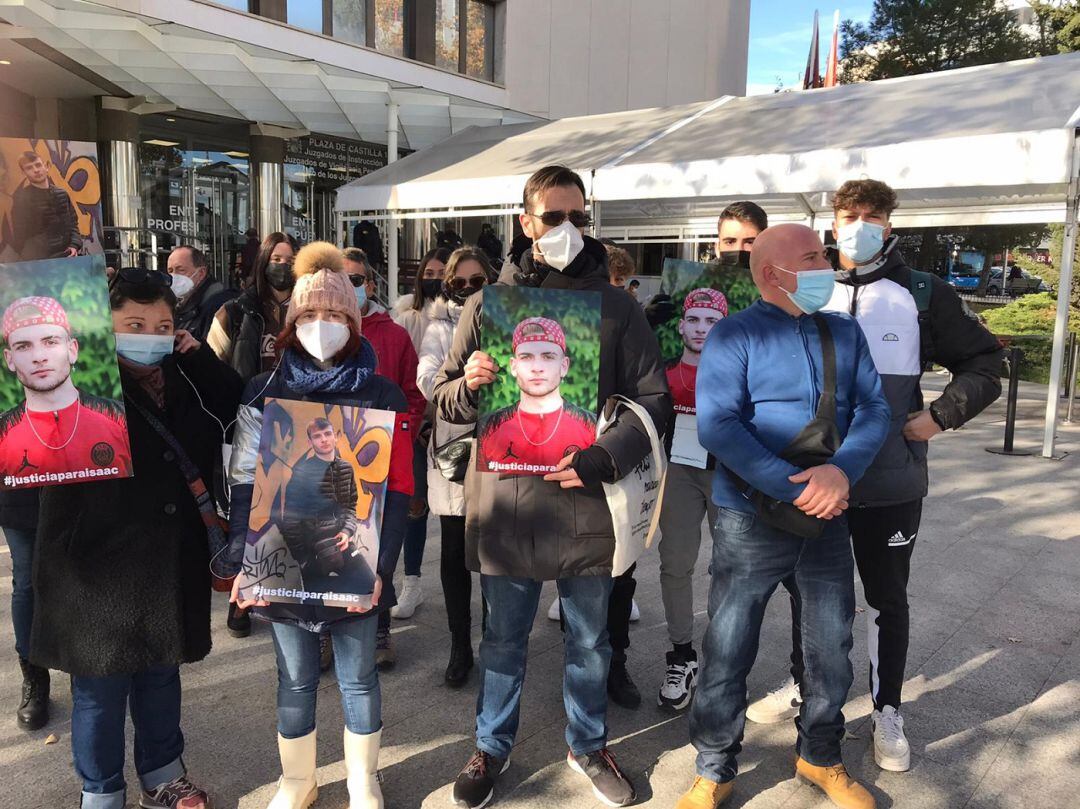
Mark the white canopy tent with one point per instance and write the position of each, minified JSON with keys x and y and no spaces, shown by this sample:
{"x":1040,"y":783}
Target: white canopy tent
{"x":988,"y":145}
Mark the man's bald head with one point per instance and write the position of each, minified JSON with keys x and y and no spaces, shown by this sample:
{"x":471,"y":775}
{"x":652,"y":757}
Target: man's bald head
{"x":787,"y":247}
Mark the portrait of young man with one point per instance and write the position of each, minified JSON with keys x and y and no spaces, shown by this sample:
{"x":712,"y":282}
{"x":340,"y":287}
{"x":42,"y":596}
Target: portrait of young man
{"x":43,"y":219}
{"x":532,"y":436}
{"x":56,"y":429}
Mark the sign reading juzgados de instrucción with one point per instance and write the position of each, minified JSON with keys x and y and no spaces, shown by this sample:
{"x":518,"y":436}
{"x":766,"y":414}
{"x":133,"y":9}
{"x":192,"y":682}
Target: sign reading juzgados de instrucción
{"x":62,"y":416}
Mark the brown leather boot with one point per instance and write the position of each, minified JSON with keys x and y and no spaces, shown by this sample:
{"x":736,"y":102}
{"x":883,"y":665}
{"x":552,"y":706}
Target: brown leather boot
{"x":834,"y":781}
{"x":705,"y":794}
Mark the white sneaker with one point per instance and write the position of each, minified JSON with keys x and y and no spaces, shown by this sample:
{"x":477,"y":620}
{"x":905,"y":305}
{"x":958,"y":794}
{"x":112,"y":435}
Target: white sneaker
{"x":891,"y":749}
{"x":635,"y":613}
{"x":780,"y":704}
{"x":679,"y":682}
{"x":412,"y":596}
{"x":553,"y":610}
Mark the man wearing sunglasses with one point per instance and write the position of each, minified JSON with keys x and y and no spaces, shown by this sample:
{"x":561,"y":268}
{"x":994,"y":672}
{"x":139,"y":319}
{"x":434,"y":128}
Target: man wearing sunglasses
{"x":397,"y":361}
{"x":523,"y":531}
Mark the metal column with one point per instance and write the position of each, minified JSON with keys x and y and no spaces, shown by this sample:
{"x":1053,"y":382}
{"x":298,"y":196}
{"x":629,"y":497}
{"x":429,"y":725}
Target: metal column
{"x":267,"y":156}
{"x":1057,"y":357}
{"x":391,"y":224}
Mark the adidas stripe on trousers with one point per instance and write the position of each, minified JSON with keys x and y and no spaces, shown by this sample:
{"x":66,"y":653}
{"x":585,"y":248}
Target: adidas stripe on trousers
{"x":882,"y":538}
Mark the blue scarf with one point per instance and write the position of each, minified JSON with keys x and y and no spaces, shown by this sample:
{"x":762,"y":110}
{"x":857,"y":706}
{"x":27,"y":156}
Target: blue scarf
{"x":303,"y":376}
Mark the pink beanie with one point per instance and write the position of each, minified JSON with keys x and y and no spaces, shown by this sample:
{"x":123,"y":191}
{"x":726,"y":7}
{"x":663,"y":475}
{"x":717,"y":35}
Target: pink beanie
{"x":322,"y":283}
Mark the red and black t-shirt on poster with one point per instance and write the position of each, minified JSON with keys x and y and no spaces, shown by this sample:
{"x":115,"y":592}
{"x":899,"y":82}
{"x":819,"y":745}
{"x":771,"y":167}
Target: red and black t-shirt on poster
{"x":542,"y":407}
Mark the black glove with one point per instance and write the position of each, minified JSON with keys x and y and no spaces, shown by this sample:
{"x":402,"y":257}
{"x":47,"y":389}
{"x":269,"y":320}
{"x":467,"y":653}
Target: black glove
{"x":660,"y":310}
{"x":594,"y":466}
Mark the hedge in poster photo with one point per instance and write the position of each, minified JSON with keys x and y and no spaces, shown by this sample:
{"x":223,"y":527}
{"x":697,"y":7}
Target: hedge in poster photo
{"x":546,"y":345}
{"x":61,"y":408}
{"x":50,"y":199}
{"x":681,"y":277}
{"x":317,"y":507}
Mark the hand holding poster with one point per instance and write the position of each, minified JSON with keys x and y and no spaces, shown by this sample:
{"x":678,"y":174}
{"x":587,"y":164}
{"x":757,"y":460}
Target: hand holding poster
{"x":62,"y":417}
{"x":546,"y":345}
{"x":317,"y":508}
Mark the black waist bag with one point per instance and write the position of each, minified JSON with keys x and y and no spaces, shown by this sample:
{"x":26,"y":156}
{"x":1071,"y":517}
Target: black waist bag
{"x":815,"y":444}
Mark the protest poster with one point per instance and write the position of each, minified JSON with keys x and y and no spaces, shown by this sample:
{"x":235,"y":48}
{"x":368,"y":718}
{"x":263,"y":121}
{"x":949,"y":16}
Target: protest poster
{"x":543,"y":406}
{"x":50,"y":199}
{"x":702,"y":295}
{"x":62,"y":414}
{"x":317,"y":506}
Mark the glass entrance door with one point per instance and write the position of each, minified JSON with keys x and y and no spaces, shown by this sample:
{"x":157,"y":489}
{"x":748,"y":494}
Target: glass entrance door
{"x":220,"y":200}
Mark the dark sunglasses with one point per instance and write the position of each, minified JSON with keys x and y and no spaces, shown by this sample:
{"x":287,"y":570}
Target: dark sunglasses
{"x":138,"y":275}
{"x":553,"y":219}
{"x":458,"y":284}
{"x":357,"y":279}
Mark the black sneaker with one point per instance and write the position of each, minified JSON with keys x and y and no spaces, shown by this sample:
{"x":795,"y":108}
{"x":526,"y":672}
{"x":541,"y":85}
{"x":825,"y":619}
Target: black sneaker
{"x":475,"y":785}
{"x":608,"y":783}
{"x":621,"y":688}
{"x":461,"y":661}
{"x":239,"y":622}
{"x":679,"y":682}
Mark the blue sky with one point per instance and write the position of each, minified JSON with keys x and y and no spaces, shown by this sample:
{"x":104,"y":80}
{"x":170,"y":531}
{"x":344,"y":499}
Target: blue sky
{"x":780,"y":38}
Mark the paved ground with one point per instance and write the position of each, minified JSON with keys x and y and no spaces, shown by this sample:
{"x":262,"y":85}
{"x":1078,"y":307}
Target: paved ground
{"x":993,"y":694}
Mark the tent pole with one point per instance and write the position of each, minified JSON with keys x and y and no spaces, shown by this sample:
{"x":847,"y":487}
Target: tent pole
{"x":1057,"y":359}
{"x":392,"y":225}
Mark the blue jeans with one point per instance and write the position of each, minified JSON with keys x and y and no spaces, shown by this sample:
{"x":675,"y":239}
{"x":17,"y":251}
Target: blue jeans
{"x":21,"y":545}
{"x":298,"y":676}
{"x":749,"y":560}
{"x":512,"y":606}
{"x":98,"y":716}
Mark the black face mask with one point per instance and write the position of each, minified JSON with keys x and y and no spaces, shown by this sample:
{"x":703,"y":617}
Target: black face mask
{"x":279,"y":276}
{"x":459,"y":296}
{"x":431,"y":287}
{"x":734,"y":258}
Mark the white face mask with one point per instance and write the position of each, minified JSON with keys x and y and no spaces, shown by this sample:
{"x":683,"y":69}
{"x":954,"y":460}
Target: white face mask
{"x":561,"y":245}
{"x":181,"y":285}
{"x":322,"y":339}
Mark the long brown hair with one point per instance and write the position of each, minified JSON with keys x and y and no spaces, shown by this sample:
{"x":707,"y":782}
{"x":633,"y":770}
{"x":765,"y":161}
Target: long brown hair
{"x":468,"y":253}
{"x":437,"y":254}
{"x":263,"y":290}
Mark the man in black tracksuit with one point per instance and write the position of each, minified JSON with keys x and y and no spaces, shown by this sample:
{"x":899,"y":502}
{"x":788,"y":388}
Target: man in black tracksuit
{"x":910,"y":319}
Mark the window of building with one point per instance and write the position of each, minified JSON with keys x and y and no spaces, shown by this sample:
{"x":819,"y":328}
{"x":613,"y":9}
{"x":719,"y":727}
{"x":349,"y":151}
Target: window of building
{"x":390,"y":26}
{"x":481,"y":38}
{"x":350,"y":21}
{"x":305,"y":14}
{"x":447,"y":34}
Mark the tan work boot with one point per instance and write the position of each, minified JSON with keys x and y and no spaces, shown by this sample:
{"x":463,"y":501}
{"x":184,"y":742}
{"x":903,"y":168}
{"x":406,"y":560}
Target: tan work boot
{"x":705,"y":794}
{"x":834,"y":781}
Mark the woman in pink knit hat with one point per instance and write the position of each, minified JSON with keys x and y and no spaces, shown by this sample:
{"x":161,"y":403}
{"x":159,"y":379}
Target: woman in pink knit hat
{"x":324,"y":358}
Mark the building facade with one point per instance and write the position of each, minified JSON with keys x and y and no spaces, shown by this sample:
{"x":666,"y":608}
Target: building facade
{"x":213,"y":118}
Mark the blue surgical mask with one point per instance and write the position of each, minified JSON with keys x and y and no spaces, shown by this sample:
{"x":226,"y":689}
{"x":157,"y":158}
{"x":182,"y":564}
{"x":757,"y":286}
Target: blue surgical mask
{"x":144,"y":349}
{"x":361,"y":295}
{"x":860,"y":240}
{"x":813,"y":288}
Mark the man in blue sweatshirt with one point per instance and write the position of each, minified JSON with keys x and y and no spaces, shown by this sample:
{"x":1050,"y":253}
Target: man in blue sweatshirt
{"x":760,"y":380}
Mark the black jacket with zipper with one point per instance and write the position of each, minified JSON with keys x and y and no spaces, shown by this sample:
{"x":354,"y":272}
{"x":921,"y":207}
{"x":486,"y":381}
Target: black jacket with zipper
{"x":525,"y":526}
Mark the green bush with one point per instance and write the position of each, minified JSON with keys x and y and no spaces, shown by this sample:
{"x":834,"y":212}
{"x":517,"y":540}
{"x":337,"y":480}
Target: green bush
{"x":579,"y":315}
{"x":80,"y":286}
{"x":1031,"y":318}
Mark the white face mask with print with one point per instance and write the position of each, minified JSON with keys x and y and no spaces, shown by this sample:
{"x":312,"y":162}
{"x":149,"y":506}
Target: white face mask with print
{"x":561,"y":245}
{"x":322,"y":339}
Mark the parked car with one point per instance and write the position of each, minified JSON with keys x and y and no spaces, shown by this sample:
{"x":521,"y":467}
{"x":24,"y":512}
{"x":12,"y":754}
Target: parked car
{"x":1026,"y":284}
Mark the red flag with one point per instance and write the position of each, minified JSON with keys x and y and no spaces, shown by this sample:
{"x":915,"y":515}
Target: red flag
{"x":832,"y":67}
{"x":812,"y":77}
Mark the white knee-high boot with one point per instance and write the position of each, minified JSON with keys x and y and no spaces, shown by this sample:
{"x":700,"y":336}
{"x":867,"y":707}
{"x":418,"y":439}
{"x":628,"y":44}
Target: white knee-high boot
{"x":362,"y":766}
{"x":297,"y":788}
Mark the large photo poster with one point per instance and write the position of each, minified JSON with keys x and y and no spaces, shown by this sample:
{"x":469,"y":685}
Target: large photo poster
{"x":681,"y":277}
{"x":543,"y":406}
{"x":317,"y":508}
{"x":50,"y":199}
{"x":61,"y":408}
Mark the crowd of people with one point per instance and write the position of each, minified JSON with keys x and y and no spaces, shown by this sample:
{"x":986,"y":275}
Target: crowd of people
{"x":803,"y":450}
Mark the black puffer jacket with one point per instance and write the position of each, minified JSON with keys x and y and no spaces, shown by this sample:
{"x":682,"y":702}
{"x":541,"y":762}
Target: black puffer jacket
{"x":525,"y":526}
{"x":121,"y":578}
